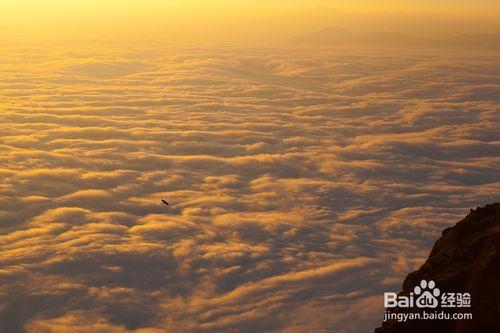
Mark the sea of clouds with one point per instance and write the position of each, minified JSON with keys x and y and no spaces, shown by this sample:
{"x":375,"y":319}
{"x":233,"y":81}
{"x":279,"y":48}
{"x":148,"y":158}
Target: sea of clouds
{"x":302,"y":183}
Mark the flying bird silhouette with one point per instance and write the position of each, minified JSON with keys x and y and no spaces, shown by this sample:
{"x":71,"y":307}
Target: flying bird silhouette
{"x":166,"y":203}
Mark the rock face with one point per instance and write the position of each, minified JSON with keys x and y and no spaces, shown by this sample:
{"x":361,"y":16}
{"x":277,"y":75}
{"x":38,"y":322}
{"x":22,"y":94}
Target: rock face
{"x":466,"y":259}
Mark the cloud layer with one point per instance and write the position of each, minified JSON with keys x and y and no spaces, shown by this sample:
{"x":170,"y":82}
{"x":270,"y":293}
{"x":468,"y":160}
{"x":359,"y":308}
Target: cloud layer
{"x":302,"y":183}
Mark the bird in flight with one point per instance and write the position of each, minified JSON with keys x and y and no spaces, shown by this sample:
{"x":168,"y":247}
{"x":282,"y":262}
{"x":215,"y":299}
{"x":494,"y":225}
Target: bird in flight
{"x":166,"y":203}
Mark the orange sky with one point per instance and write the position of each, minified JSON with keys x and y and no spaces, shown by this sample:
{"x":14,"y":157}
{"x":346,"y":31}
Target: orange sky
{"x":241,"y":21}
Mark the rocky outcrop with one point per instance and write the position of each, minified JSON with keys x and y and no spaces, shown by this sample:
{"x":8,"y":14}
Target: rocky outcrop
{"x":466,"y":259}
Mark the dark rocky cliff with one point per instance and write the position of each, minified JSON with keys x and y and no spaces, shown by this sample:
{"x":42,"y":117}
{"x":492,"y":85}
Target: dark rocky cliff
{"x":465,"y":259}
